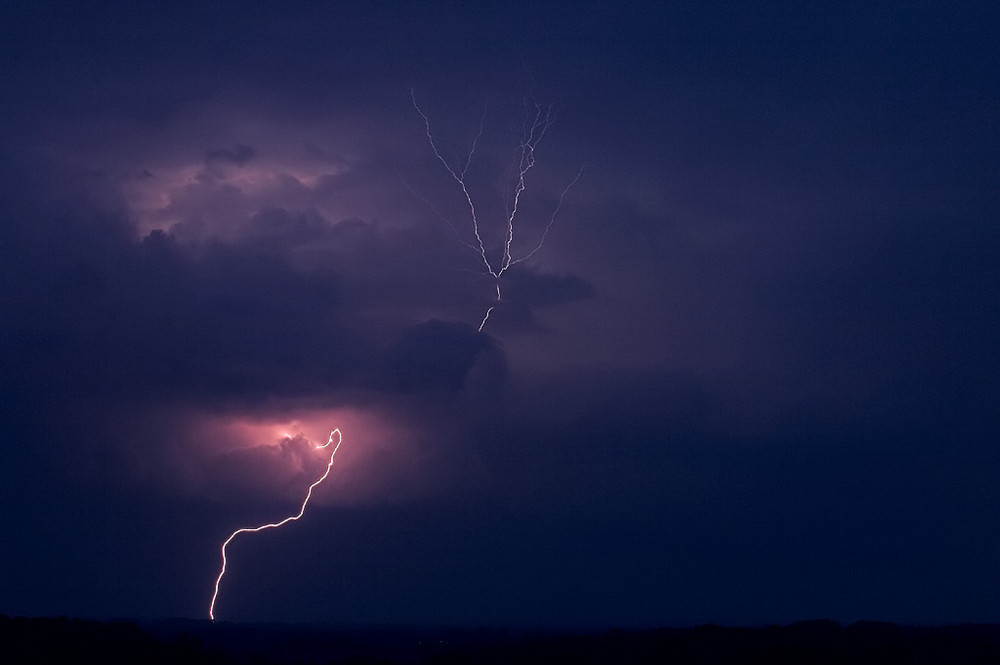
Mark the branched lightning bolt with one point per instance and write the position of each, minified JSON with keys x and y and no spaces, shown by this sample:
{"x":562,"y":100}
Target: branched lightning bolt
{"x":273,"y":525}
{"x":536,"y":123}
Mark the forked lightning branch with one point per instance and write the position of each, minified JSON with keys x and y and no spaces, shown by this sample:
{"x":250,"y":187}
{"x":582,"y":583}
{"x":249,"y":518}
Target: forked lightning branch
{"x":536,"y":124}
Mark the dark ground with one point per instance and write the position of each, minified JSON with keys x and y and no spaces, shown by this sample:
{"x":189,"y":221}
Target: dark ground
{"x":63,"y":640}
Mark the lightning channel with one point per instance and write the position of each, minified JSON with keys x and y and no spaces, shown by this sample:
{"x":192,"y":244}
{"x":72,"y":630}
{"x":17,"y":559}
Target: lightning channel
{"x":536,"y":123}
{"x":274,"y":525}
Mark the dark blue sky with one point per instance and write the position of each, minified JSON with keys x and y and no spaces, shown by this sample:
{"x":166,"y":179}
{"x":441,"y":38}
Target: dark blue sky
{"x":750,"y":376}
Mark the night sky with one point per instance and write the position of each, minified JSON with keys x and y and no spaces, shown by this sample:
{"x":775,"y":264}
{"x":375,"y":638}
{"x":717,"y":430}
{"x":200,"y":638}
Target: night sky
{"x":751,"y":375}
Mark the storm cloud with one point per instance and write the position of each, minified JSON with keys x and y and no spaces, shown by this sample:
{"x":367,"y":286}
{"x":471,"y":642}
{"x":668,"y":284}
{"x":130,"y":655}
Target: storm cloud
{"x":749,"y":376}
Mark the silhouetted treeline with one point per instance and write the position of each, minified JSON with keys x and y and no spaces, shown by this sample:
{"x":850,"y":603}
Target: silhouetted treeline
{"x":818,"y":642}
{"x":64,"y":641}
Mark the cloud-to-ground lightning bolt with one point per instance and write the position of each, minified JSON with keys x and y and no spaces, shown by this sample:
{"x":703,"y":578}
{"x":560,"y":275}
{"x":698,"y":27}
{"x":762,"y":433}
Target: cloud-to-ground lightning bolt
{"x":274,"y":525}
{"x":536,"y":124}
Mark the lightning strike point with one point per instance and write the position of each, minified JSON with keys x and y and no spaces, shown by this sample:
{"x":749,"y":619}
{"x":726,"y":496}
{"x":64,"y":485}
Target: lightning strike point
{"x":273,"y":525}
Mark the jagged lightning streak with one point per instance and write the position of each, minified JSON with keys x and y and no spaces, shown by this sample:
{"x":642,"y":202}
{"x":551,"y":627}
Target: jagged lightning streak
{"x":535,"y":126}
{"x":274,"y":525}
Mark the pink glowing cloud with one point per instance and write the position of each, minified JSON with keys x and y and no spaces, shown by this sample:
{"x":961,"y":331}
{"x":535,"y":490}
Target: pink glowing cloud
{"x":213,"y":197}
{"x":259,"y":458}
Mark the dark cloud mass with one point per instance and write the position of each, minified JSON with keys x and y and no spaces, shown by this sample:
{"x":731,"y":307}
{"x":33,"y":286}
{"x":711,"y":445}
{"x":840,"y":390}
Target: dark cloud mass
{"x":749,"y":376}
{"x":237,"y":154}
